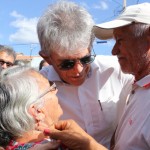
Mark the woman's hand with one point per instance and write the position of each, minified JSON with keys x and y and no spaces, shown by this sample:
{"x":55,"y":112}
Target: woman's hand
{"x":73,"y":136}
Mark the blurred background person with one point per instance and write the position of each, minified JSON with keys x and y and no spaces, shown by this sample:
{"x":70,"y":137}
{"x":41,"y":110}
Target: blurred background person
{"x":7,"y":56}
{"x":22,"y":63}
{"x":27,"y":99}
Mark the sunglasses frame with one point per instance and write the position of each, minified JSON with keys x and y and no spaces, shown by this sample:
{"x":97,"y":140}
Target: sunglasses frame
{"x":73,"y":62}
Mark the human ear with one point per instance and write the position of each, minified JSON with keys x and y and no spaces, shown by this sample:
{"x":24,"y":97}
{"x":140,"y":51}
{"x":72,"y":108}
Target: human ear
{"x":45,"y":57}
{"x":39,"y":117}
{"x":37,"y":113}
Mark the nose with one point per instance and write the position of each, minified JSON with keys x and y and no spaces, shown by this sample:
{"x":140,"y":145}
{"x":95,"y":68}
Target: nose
{"x":115,"y":50}
{"x":4,"y":66}
{"x":78,"y":67}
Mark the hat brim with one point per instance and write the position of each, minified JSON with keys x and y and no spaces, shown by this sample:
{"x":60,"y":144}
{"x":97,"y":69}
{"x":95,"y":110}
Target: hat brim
{"x":104,"y":31}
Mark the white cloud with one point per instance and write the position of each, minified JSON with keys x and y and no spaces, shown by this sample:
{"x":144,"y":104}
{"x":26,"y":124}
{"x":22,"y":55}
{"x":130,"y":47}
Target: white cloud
{"x":26,"y":29}
{"x":102,"y":5}
{"x":16,"y":15}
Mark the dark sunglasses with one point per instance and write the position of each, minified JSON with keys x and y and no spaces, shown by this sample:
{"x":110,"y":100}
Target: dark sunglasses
{"x":9,"y":64}
{"x":69,"y":64}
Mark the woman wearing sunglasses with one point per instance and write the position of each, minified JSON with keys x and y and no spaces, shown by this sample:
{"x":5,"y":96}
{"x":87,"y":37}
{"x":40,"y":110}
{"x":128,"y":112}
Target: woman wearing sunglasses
{"x":89,"y":85}
{"x":27,"y":100}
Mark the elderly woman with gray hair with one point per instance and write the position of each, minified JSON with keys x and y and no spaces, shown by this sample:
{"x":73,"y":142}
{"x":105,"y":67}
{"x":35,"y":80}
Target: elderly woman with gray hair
{"x":27,"y":100}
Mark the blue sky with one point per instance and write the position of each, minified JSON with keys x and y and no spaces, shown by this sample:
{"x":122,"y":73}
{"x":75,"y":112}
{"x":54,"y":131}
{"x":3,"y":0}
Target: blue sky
{"x":18,"y":19}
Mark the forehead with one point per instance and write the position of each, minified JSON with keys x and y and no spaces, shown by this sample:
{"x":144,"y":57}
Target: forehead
{"x":6,"y":57}
{"x":72,"y":55}
{"x":123,"y":31}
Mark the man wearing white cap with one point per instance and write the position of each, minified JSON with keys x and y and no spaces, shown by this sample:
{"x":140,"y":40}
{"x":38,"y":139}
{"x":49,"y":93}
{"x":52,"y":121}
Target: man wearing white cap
{"x":131,"y":31}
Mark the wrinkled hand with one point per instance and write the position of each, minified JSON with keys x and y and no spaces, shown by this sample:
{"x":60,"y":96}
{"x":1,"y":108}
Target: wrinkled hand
{"x":73,"y":136}
{"x":70,"y":135}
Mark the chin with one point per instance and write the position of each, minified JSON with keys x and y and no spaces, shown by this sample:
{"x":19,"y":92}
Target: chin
{"x":126,"y":71}
{"x":76,"y":83}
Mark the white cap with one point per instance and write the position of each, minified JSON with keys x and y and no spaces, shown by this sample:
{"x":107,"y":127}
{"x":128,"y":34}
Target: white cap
{"x":135,"y":13}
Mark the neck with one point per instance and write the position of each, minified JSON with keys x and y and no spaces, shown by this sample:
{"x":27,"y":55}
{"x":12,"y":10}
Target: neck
{"x":31,"y":136}
{"x":142,"y":74}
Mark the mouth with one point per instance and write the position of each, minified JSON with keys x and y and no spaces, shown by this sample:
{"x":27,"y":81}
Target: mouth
{"x":121,"y":58}
{"x":77,"y":77}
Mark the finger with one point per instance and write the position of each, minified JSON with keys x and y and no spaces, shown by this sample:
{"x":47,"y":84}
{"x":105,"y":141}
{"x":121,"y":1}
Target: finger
{"x":61,"y":125}
{"x":70,"y":139}
{"x":56,"y":135}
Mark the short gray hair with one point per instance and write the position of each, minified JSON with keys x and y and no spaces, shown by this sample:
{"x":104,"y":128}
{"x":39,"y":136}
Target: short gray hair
{"x":9,"y":50}
{"x":139,"y":29}
{"x":65,"y":27}
{"x":18,"y":90}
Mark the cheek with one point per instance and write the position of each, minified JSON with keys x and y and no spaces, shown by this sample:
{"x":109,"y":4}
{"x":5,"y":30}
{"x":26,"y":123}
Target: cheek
{"x":126,"y":50}
{"x":62,"y":74}
{"x":53,"y":109}
{"x":87,"y":69}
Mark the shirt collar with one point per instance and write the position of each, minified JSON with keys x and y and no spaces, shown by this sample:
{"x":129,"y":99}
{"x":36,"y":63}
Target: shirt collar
{"x":143,"y":83}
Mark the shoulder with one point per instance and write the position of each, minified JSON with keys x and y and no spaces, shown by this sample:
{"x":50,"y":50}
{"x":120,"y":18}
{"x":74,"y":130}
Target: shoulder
{"x":107,"y":61}
{"x":45,"y":71}
{"x":104,"y":62}
{"x":106,"y":57}
{"x":50,"y":73}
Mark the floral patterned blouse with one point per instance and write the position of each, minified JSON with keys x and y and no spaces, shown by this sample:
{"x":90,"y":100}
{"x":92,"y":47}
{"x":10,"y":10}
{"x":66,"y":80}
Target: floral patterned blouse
{"x":13,"y":145}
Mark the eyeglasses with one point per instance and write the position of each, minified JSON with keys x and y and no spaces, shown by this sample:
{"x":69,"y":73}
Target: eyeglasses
{"x":50,"y":89}
{"x":9,"y":64}
{"x":69,"y":64}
